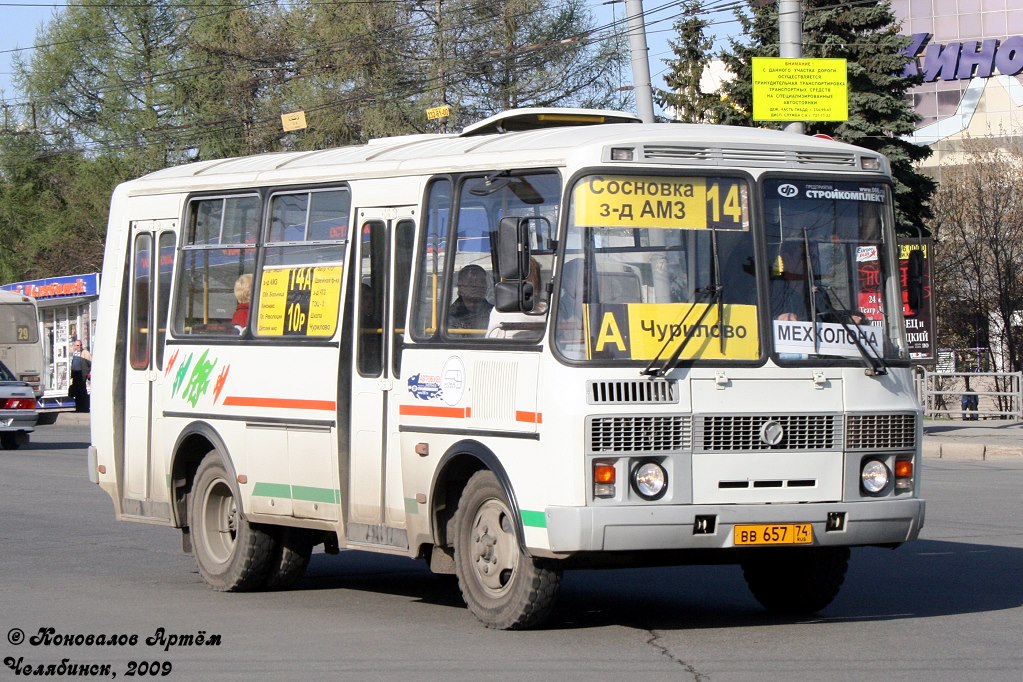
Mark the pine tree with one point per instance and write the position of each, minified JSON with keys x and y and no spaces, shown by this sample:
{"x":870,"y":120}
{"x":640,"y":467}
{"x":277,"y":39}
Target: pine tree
{"x":866,"y":35}
{"x":528,"y":53}
{"x":692,"y":53}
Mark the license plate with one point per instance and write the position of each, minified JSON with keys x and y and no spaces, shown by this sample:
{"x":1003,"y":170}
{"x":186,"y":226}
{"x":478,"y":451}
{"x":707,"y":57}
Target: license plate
{"x":774,"y":534}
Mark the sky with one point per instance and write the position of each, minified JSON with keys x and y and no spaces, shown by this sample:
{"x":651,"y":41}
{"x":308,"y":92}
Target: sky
{"x":20,"y":21}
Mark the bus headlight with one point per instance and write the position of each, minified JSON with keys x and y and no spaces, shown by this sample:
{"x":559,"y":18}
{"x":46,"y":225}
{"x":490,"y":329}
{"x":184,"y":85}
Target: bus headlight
{"x":650,"y":480}
{"x":874,"y":476}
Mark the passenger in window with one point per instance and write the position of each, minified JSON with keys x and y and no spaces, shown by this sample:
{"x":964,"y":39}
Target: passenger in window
{"x":243,"y":292}
{"x":471,"y":310}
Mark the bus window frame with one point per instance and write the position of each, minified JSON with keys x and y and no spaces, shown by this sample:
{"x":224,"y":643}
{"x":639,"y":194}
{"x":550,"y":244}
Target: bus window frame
{"x":187,"y":245}
{"x":263,"y":246}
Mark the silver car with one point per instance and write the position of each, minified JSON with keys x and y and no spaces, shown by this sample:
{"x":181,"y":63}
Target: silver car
{"x":18,"y":413}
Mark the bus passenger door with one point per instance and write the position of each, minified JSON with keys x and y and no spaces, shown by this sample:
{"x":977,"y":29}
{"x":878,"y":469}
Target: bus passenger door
{"x":144,"y":488}
{"x":376,"y":504}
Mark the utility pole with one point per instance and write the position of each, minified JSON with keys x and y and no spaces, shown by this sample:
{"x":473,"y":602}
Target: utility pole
{"x":790,"y":40}
{"x":641,"y":87}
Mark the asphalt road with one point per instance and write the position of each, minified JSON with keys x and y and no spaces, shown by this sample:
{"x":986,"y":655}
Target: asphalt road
{"x":947,"y":607}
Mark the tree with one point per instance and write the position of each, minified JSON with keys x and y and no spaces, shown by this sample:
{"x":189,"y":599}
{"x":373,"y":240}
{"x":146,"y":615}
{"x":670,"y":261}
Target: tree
{"x":866,"y":35}
{"x":231,"y":78}
{"x":361,"y":71}
{"x":100,"y":80}
{"x":529,"y":53}
{"x":978,"y":265}
{"x":692,"y":52}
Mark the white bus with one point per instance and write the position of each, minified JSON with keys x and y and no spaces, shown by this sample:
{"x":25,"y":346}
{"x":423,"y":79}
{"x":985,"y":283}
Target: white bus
{"x":21,"y":347}
{"x":559,"y":339}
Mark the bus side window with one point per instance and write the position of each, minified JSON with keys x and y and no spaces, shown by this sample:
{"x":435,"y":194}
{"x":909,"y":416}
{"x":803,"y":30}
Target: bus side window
{"x":212,"y":259}
{"x":432,"y":254}
{"x":302,"y":267}
{"x":403,"y":255}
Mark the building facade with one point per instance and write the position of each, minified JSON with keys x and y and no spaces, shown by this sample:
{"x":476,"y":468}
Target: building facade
{"x":66,"y":313}
{"x":970,"y":54}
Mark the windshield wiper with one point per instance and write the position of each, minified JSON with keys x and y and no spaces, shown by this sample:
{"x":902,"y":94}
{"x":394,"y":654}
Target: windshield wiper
{"x":844,"y":316}
{"x":813,"y":290}
{"x":713,"y":292}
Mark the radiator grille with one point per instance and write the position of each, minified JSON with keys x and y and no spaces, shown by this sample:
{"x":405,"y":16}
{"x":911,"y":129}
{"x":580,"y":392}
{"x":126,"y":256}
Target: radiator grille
{"x":742,"y":432}
{"x":630,"y":392}
{"x":638,"y":433}
{"x":881,"y":431}
{"x":748,"y":156}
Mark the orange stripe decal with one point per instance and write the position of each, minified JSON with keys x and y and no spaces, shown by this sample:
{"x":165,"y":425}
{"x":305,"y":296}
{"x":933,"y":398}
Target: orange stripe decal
{"x":529,"y":417}
{"x":283,"y":403}
{"x":435,"y":411}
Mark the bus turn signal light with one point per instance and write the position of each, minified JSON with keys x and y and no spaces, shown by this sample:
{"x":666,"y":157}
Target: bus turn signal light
{"x":603,"y":479}
{"x":604,"y":473}
{"x":903,"y":474}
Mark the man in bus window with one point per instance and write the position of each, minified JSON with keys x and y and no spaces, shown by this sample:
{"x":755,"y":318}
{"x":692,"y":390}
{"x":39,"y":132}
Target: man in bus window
{"x":470,"y":310}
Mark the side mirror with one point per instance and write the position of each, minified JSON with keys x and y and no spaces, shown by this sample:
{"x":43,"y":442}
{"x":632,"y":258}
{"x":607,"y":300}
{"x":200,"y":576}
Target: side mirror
{"x":514,"y":297}
{"x":513,"y":248}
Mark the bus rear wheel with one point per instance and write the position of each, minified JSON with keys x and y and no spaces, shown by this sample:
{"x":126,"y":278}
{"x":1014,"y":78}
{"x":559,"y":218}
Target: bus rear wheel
{"x":291,"y":555}
{"x":232,"y":554}
{"x":503,"y":587}
{"x":796,"y":582}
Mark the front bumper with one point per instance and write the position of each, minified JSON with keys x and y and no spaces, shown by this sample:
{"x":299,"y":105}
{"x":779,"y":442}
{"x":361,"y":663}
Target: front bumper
{"x":659,"y":527}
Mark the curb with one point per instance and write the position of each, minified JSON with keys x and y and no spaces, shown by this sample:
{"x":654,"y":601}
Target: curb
{"x":969,"y":451}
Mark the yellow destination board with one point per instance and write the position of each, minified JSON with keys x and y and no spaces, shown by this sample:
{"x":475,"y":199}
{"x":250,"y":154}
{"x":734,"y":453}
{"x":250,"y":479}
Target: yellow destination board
{"x":638,"y":331}
{"x":302,"y":301}
{"x":800,"y":89}
{"x":663,"y":202}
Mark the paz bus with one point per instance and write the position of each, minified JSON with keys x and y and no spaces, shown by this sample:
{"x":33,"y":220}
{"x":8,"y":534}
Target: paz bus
{"x":557,"y":339}
{"x":21,"y":347}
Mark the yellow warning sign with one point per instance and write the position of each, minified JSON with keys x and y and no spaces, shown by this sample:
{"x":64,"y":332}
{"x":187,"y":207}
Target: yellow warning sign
{"x":438,"y":112}
{"x":800,"y":89}
{"x":293,"y":121}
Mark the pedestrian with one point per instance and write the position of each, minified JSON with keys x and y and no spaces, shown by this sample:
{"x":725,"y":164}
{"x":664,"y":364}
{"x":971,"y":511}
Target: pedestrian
{"x":970,"y":403}
{"x":81,"y":372}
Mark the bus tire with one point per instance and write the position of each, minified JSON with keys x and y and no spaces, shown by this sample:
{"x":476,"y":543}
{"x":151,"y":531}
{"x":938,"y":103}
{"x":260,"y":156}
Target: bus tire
{"x":290,"y":559}
{"x":504,"y":588}
{"x":232,"y":554}
{"x":796,"y":582}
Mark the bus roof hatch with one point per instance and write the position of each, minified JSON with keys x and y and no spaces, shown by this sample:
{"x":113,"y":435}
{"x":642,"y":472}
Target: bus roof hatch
{"x":516,"y":120}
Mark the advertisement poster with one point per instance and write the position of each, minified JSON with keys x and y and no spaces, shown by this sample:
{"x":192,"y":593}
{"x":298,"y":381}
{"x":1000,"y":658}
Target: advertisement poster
{"x":920,"y":329}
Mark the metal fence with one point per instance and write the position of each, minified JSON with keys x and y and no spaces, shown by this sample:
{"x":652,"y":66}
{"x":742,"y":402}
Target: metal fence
{"x":971,"y":395}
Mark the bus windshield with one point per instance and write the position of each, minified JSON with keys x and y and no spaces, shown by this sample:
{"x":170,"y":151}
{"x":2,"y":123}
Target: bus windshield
{"x":658,"y":269}
{"x":829,"y":265}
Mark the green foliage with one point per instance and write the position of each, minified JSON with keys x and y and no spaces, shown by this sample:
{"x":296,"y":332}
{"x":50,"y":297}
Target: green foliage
{"x":866,"y":35}
{"x":116,"y":91}
{"x":692,"y":53}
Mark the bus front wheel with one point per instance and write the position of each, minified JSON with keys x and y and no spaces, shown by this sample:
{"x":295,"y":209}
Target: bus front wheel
{"x":504,"y":588}
{"x":796,"y":582}
{"x":232,"y":554}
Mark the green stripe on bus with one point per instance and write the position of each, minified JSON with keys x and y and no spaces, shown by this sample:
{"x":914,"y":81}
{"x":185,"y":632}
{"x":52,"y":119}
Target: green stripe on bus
{"x":309,"y":494}
{"x":411,"y":506}
{"x":536,"y":519}
{"x":272,"y":490}
{"x":297,"y":492}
